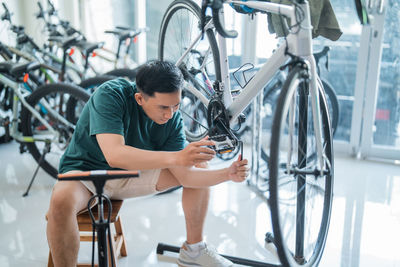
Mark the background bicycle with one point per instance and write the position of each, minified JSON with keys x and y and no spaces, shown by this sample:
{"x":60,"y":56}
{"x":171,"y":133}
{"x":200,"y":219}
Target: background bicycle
{"x":41,"y":120}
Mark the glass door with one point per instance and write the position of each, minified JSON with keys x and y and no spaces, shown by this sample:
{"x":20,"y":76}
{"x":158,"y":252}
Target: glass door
{"x":381,"y":128}
{"x":340,"y":68}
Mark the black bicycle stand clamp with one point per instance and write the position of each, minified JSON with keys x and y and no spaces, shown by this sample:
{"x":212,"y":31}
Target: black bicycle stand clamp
{"x":102,"y":225}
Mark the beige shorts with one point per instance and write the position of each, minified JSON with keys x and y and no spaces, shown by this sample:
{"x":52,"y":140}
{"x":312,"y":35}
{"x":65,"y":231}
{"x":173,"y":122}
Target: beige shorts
{"x":125,"y":188}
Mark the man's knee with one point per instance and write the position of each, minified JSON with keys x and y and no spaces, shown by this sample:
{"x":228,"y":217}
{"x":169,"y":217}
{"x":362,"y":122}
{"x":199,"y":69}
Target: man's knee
{"x":67,"y":199}
{"x":182,"y":178}
{"x":166,"y":180}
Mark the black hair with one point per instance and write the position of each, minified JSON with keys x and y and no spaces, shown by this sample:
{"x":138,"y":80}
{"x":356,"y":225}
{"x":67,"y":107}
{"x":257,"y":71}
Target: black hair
{"x":159,"y":76}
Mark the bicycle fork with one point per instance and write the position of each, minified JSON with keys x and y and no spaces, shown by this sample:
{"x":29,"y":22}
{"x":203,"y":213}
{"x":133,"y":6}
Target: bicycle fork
{"x":306,"y":90}
{"x":316,"y":114}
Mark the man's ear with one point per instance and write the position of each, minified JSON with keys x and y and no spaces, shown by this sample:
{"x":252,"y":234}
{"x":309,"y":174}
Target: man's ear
{"x":139,"y":98}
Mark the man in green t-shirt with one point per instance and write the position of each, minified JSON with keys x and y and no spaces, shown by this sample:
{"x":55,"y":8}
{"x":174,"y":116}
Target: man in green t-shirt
{"x":137,"y":127}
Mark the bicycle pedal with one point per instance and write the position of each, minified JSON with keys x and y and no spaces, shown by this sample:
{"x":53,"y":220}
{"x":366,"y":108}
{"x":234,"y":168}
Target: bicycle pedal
{"x":223,"y":144}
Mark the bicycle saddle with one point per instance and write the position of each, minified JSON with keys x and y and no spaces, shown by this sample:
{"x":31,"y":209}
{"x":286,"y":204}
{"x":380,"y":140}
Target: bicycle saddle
{"x":5,"y":67}
{"x":66,"y":42}
{"x":87,"y":47}
{"x":5,"y":50}
{"x":125,"y":33}
{"x":18,"y":69}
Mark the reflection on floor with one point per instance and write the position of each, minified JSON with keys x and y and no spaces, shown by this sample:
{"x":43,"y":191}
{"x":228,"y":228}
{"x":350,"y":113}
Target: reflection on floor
{"x":364,"y":229}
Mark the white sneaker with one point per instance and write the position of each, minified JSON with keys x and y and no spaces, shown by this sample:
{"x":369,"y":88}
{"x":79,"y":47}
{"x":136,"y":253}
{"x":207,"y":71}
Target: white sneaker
{"x":207,"y":257}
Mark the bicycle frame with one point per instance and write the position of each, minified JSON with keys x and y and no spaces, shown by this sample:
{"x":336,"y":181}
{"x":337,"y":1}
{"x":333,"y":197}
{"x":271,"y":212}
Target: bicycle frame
{"x":298,"y":43}
{"x":36,"y":56}
{"x":20,"y":95}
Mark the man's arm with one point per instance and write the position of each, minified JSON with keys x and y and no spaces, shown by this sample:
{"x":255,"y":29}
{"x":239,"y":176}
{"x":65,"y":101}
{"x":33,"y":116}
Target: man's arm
{"x":119,"y":155}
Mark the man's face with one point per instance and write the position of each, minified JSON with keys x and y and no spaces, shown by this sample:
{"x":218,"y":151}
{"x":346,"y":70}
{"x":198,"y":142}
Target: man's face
{"x":161,"y":106}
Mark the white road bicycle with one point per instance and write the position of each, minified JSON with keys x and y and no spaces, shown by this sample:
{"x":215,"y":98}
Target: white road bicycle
{"x":301,"y":186}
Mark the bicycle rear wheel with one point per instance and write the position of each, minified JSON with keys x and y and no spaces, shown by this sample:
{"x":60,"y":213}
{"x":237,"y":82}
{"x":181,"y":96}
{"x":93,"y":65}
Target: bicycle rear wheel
{"x":201,"y":67}
{"x":50,"y":101}
{"x":332,"y":104}
{"x":300,"y":197}
{"x":129,"y":74}
{"x":90,"y":85}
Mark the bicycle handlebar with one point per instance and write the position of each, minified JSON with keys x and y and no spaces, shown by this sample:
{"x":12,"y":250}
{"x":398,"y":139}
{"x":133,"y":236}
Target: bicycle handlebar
{"x":323,"y":52}
{"x":41,"y":12}
{"x":17,"y":29}
{"x":52,"y":10}
{"x":7,"y":15}
{"x":216,"y":6}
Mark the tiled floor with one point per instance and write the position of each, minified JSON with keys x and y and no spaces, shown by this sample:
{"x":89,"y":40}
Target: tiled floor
{"x":364,"y":230}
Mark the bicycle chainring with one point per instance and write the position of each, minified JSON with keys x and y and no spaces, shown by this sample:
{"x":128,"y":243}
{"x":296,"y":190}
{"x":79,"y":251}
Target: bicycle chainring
{"x":217,"y":115}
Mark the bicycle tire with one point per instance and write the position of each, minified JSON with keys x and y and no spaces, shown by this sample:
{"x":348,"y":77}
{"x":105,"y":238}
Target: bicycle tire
{"x":310,"y":203}
{"x":126,"y":73}
{"x":332,"y":102}
{"x":5,"y":106}
{"x":181,"y":15}
{"x":31,"y":127}
{"x":90,"y":85}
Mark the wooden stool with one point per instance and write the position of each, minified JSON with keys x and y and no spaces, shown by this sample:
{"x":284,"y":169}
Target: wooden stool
{"x":85,"y":232}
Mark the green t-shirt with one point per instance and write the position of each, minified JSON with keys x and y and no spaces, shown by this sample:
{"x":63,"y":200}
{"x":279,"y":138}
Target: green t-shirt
{"x":113,"y":109}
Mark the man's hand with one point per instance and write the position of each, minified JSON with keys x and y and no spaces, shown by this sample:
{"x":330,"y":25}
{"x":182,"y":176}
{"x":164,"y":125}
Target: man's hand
{"x":238,"y":171}
{"x":196,"y":153}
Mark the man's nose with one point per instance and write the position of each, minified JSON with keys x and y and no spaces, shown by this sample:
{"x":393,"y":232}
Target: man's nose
{"x":169,"y":113}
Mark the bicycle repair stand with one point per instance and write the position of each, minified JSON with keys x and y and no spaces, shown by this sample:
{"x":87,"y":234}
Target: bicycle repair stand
{"x":256,"y":151}
{"x":102,"y":225}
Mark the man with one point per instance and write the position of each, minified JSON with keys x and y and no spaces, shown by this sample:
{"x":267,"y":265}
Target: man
{"x":136,"y":127}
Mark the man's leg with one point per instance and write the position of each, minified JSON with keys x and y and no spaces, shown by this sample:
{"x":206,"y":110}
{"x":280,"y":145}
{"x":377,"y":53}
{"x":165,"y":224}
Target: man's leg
{"x":194,"y":203}
{"x":68,"y":198}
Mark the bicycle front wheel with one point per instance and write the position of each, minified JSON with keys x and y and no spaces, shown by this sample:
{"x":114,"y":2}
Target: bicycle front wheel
{"x":300,"y":196}
{"x":180,"y":29}
{"x":50,"y":101}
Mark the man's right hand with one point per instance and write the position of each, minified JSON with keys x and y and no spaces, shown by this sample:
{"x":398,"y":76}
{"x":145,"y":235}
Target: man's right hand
{"x":195,"y":153}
